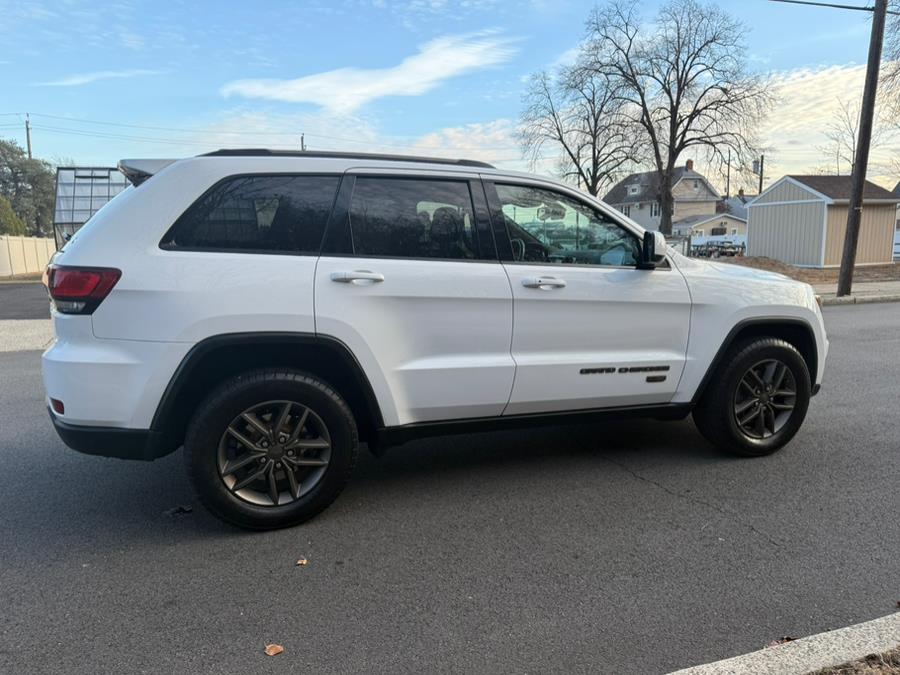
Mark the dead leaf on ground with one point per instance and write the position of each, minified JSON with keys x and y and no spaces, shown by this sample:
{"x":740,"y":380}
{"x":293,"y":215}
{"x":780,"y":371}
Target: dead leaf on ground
{"x":781,"y":641}
{"x":302,"y":562}
{"x":273,"y":650}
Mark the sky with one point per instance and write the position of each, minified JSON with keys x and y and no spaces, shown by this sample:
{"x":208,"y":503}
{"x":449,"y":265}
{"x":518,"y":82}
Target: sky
{"x":106,"y":80}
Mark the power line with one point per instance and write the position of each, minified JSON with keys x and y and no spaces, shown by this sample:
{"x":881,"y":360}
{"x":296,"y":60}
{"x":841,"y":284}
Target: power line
{"x":291,"y":134}
{"x":182,"y":142}
{"x":833,"y":5}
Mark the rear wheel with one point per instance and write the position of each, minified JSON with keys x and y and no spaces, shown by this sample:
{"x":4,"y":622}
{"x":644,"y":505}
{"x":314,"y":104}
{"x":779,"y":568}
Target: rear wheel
{"x":271,"y":449}
{"x":758,"y":398}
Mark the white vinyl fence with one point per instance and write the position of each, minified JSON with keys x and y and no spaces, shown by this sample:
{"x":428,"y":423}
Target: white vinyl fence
{"x":24,"y":255}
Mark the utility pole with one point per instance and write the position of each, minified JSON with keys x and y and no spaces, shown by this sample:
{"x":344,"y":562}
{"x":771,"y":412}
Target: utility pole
{"x":28,"y":134}
{"x":861,"y":160}
{"x":303,"y":142}
{"x":728,"y":177}
{"x":762,"y":169}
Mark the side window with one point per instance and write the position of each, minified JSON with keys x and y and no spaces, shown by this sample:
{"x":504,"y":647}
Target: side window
{"x":546,"y":226}
{"x":413,"y":218}
{"x":258,"y":213}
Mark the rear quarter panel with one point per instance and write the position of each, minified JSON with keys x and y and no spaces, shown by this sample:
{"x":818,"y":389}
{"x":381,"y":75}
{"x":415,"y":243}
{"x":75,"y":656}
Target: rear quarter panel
{"x":186,"y":296}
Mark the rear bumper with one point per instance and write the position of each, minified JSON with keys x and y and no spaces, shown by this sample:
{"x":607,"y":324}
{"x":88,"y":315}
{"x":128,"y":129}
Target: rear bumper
{"x":142,"y":444}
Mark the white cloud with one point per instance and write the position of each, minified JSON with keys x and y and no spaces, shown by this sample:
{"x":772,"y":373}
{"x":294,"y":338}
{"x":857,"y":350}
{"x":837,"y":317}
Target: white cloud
{"x":808,"y":98}
{"x":87,"y":78}
{"x":132,"y":40}
{"x":347,"y":89}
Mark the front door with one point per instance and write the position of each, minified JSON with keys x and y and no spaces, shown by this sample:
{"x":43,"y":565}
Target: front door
{"x":591,"y":330}
{"x":409,"y":279}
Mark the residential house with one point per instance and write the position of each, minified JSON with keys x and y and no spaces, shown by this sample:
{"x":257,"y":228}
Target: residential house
{"x":637,"y":196}
{"x":802,"y":220}
{"x":718,"y":224}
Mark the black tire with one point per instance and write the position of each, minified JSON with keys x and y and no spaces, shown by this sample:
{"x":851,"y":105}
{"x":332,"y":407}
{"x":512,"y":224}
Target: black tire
{"x":715,"y":414}
{"x":212,"y":419}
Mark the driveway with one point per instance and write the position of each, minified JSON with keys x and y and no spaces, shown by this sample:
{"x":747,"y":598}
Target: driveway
{"x":618,"y":548}
{"x":26,"y":300}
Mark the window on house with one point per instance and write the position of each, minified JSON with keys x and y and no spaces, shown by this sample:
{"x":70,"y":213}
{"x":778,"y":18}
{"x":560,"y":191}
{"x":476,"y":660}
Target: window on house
{"x":654,"y":209}
{"x":696,"y":184}
{"x":626,"y":210}
{"x":633,"y":189}
{"x":734,"y":230}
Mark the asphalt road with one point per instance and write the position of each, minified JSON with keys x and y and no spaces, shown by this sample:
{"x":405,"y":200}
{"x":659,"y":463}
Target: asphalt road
{"x":620,"y":548}
{"x":23,"y":301}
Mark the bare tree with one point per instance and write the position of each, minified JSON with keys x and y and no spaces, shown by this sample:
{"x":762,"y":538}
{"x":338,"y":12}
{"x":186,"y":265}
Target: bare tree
{"x":842,"y":133}
{"x":684,"y":81}
{"x":578,"y":117}
{"x":890,"y":71}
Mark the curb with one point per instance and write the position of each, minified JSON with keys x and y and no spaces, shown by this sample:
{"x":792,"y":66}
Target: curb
{"x":860,"y":299}
{"x":811,"y":653}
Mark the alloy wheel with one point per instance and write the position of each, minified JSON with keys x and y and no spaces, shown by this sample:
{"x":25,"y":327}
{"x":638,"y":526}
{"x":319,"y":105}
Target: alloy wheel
{"x":273,"y":453}
{"x":765,"y":399}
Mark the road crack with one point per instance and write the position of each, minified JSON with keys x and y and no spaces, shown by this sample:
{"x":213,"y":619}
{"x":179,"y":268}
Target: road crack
{"x":693,"y":499}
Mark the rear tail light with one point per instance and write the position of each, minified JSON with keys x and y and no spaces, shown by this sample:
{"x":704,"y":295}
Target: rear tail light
{"x":79,"y":290}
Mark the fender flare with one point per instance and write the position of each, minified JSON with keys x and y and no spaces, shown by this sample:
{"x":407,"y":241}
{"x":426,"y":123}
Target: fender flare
{"x":182,"y":374}
{"x":753,"y":322}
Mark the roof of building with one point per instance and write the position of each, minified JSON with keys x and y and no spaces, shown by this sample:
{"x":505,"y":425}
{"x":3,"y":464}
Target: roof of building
{"x":838,"y":187}
{"x":736,"y":205}
{"x":691,"y":221}
{"x":649,"y":182}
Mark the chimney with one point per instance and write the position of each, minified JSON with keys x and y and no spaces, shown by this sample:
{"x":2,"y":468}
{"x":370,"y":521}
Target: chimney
{"x":689,"y":165}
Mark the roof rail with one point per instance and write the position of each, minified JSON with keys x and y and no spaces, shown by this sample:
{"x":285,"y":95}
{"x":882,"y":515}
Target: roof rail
{"x":264,"y":152}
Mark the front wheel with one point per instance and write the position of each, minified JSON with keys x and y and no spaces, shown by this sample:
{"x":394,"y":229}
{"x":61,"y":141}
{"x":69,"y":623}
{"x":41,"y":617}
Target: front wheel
{"x":270,"y":449}
{"x":758,"y":398}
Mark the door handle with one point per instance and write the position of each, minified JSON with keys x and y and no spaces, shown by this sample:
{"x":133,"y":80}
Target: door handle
{"x":357,"y":275}
{"x":545,"y":283}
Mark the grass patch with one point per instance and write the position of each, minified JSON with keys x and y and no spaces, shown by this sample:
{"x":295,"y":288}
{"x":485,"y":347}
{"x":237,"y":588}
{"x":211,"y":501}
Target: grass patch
{"x":887,"y":663}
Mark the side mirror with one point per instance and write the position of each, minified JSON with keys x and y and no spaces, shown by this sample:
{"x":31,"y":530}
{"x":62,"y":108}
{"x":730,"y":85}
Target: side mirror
{"x":653,"y":250}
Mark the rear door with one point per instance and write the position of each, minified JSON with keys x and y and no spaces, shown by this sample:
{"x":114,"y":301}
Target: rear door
{"x":409,"y":279}
{"x":591,"y":330}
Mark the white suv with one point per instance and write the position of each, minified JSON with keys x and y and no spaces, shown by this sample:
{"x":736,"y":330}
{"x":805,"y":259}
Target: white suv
{"x":268,"y":311}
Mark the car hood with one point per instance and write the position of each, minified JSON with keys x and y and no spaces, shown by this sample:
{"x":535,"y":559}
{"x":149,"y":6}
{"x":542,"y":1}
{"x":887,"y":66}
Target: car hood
{"x":726,"y":270}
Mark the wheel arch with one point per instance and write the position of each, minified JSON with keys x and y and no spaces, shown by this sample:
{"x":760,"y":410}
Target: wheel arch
{"x":217,"y":358}
{"x":794,"y":331}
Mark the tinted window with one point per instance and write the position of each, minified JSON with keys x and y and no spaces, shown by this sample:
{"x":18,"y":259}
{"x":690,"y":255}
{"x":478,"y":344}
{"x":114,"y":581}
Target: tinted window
{"x":547,"y":226}
{"x":412,"y":218}
{"x":258,"y":213}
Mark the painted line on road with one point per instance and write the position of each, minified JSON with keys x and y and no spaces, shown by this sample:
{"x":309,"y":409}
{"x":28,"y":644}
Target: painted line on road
{"x":811,"y":653}
{"x":18,"y":335}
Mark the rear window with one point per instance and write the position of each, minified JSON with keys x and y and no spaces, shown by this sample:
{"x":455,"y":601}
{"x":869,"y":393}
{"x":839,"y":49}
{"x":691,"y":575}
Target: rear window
{"x":258,"y":213}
